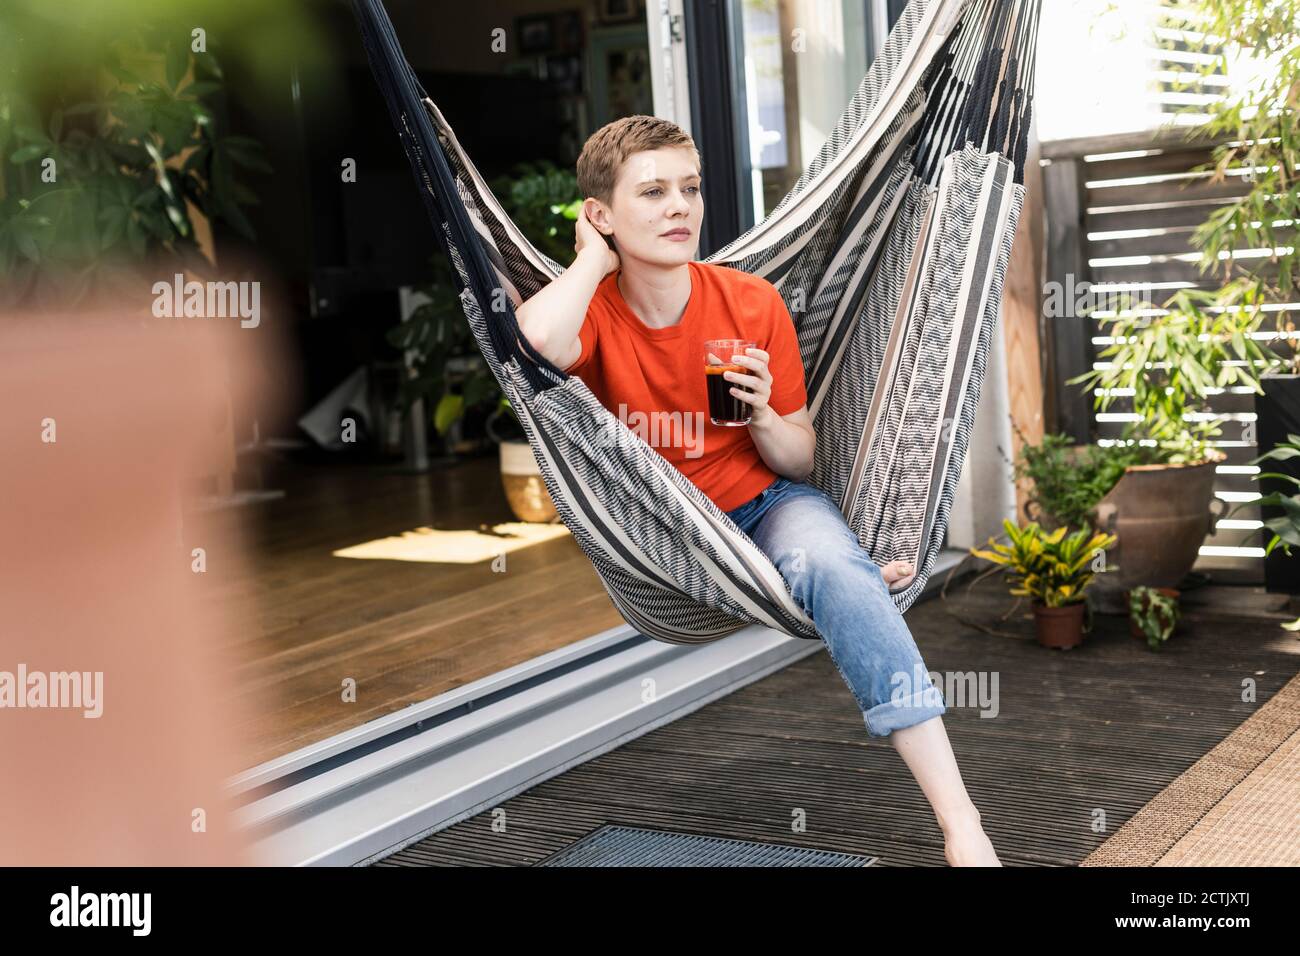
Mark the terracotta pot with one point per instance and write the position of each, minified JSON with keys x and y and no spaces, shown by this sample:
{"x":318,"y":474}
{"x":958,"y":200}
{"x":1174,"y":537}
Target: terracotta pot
{"x":522,"y":479}
{"x":1161,"y":515}
{"x":1133,"y":625}
{"x":1059,"y":627}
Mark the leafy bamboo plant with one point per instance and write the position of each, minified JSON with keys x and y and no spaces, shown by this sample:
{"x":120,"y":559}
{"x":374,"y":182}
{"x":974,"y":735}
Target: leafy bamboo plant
{"x":1261,"y":117}
{"x":1051,"y":568}
{"x":1260,"y":120}
{"x":1169,"y":360}
{"x":1170,"y":363}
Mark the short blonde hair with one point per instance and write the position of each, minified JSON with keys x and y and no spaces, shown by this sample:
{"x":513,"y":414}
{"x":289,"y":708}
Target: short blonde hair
{"x":605,"y":150}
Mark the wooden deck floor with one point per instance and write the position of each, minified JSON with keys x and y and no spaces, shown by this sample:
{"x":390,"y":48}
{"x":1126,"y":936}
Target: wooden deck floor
{"x":1096,"y":730}
{"x":405,"y":631}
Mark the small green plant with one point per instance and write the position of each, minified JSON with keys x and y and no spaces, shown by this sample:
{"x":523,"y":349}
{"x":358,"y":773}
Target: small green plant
{"x":1170,"y":364}
{"x":1070,"y":481}
{"x":544,"y":202}
{"x":436,"y":333}
{"x":1051,"y":568}
{"x":1154,"y":613}
{"x":1285,"y":527}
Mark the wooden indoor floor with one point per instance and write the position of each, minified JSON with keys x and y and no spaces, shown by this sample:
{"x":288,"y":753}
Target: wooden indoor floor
{"x":1081,"y":740}
{"x":405,"y":631}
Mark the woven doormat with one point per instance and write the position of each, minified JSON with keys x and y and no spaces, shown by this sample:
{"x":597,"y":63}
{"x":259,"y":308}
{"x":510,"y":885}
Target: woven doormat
{"x":631,"y":846}
{"x":1236,"y":806}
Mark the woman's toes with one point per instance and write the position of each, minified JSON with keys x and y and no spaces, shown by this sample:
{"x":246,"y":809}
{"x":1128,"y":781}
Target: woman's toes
{"x":897,"y":572}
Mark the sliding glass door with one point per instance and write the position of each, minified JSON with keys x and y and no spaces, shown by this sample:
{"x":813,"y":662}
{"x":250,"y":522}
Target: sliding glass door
{"x":796,"y":63}
{"x":765,"y":82}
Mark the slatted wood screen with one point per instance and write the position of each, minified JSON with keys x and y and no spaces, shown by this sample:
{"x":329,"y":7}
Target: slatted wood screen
{"x":1178,"y":51}
{"x":1120,"y":213}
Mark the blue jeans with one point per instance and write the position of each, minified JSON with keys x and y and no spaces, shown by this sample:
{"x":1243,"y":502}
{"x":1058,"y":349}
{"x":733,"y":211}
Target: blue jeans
{"x":841,"y":588}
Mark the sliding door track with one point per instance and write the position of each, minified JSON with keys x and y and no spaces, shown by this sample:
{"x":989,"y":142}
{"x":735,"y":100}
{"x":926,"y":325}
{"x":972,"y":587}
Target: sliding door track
{"x":372,"y":790}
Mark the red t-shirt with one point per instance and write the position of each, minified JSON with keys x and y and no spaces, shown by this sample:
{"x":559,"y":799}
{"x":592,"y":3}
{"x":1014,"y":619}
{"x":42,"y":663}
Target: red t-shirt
{"x":653,"y":379}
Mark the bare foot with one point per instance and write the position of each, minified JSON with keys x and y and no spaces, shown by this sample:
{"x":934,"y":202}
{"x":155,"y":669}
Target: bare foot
{"x":897,"y":573}
{"x":966,"y":844}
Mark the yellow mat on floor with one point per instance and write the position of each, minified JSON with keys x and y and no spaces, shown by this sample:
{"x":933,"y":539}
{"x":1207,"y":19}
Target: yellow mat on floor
{"x":1256,"y":824}
{"x":1236,"y":806}
{"x":468,"y":546}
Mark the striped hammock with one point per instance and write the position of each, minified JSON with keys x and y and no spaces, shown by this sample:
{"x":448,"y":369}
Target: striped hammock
{"x":890,"y":251}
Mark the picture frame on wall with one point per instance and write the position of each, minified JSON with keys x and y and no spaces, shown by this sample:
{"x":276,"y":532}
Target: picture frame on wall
{"x":565,"y":71}
{"x":617,"y":11}
{"x":535,"y":34}
{"x":569,"y":31}
{"x":618,"y":68}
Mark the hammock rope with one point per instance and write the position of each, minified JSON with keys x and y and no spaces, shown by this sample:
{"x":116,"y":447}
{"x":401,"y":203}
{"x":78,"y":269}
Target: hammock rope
{"x":890,"y":252}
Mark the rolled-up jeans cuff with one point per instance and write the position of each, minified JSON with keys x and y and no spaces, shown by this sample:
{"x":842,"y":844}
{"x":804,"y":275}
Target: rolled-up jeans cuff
{"x":892,"y":715}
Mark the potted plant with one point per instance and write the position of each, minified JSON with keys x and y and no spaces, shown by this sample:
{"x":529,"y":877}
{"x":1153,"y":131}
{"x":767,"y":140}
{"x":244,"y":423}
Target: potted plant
{"x":1169,"y":364}
{"x":1255,"y":127}
{"x":1053,"y":569}
{"x":1153,"y":614}
{"x":1277,"y":421}
{"x":110,"y":173}
{"x":1169,"y":360}
{"x":450,"y":374}
{"x":544,"y":201}
{"x":1069,"y":480}
{"x":520,"y":475}
{"x":1283,"y":526}
{"x":447,"y":369}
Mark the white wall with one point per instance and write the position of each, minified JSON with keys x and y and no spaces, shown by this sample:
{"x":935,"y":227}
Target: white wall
{"x":985,"y":494}
{"x":1094,"y":69}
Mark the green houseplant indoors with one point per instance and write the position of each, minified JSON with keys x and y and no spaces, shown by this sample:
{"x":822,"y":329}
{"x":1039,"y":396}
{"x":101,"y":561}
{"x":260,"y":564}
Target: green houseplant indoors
{"x":104,"y":162}
{"x":448,"y":371}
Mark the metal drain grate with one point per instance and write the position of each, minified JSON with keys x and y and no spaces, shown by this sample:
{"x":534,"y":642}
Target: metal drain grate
{"x":631,"y":846}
